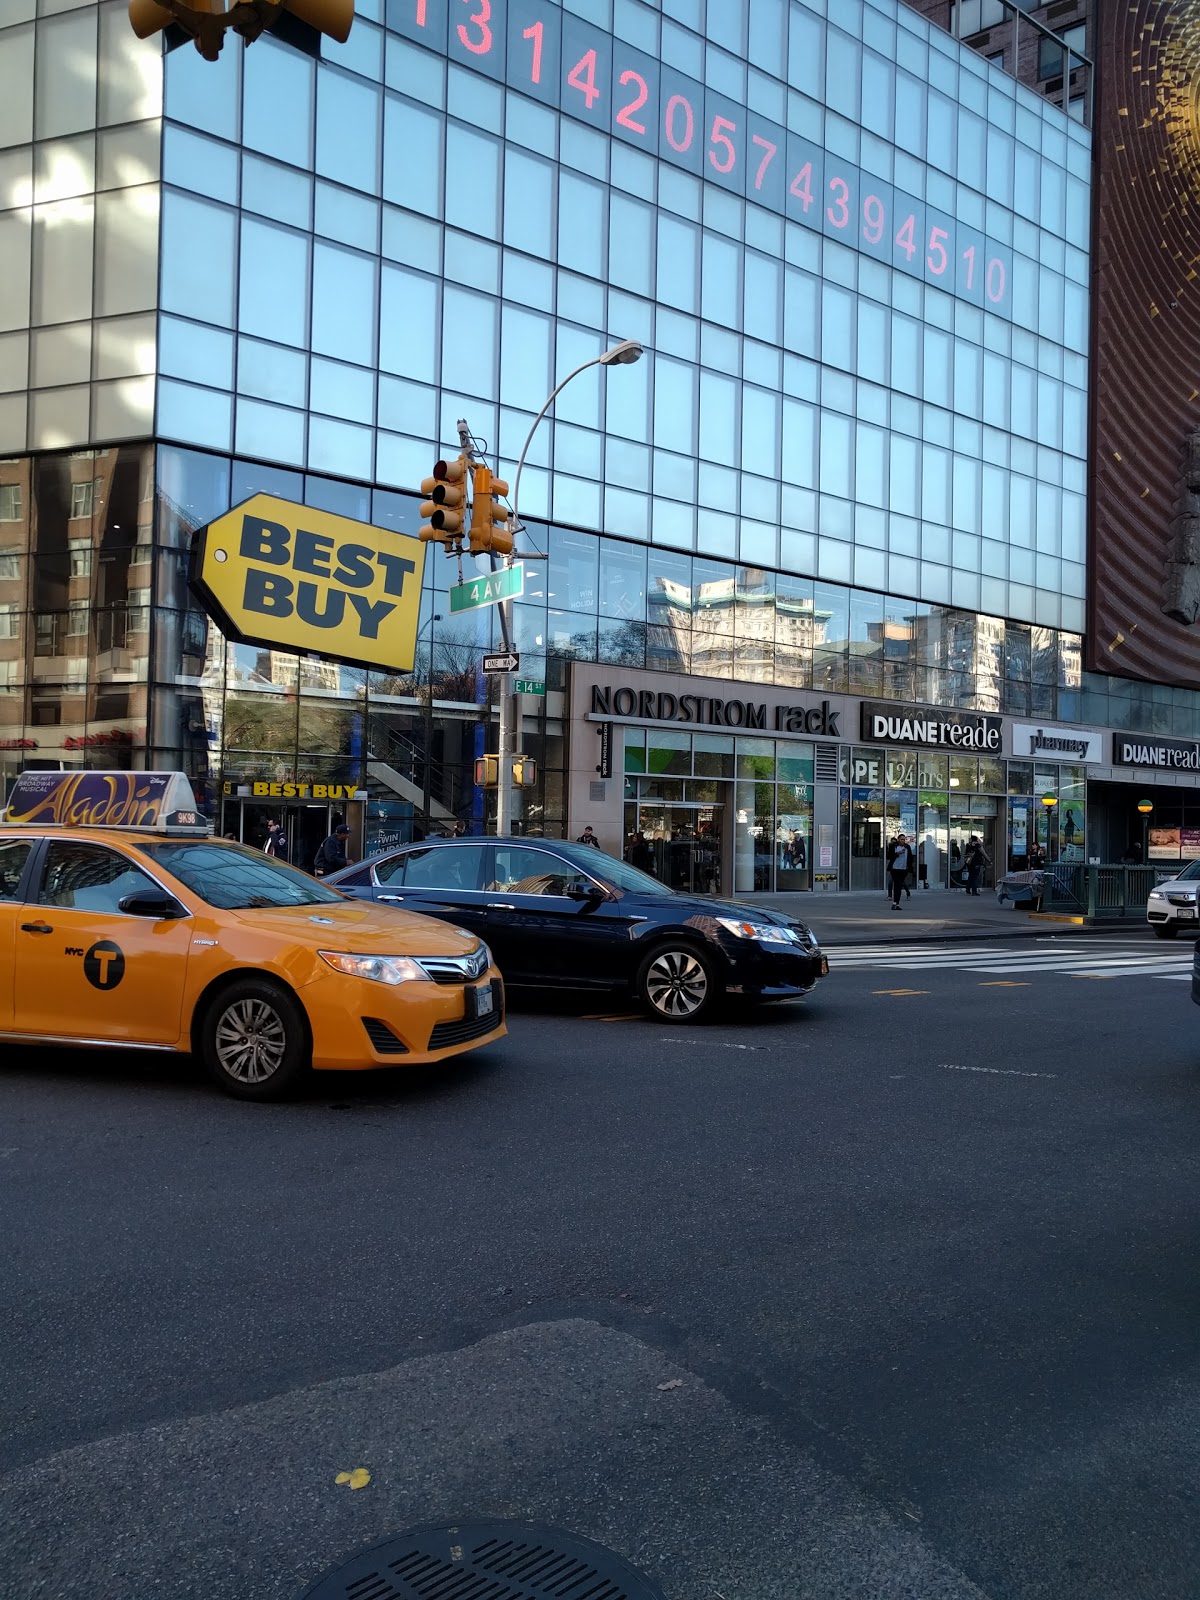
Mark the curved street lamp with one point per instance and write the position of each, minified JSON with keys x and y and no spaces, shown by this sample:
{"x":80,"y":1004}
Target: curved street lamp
{"x":623,"y":354}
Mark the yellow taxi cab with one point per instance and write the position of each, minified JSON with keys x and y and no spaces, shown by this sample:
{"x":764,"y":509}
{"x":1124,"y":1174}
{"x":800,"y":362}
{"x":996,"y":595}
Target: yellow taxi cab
{"x":123,"y":923}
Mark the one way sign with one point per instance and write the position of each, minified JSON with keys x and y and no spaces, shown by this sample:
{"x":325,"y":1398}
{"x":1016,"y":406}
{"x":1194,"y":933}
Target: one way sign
{"x":509,"y":661}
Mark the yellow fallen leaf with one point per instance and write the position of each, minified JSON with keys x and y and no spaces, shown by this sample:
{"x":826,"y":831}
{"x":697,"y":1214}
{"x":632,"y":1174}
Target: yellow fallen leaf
{"x":358,"y":1479}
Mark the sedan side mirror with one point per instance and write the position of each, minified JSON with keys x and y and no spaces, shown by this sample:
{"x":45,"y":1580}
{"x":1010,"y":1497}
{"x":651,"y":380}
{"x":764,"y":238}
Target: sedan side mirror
{"x":584,"y":889}
{"x":151,"y":903}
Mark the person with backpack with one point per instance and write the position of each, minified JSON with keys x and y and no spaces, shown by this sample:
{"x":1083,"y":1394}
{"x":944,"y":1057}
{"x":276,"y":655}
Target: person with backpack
{"x":331,"y":855}
{"x":899,"y":865}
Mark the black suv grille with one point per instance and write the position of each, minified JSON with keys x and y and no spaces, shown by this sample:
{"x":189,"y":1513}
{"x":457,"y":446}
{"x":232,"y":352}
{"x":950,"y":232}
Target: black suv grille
{"x":383,"y":1040}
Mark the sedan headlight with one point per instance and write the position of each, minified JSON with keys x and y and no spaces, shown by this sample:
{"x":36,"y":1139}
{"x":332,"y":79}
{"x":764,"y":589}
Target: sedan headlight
{"x":380,"y":969}
{"x":1156,"y":895}
{"x":764,"y":932}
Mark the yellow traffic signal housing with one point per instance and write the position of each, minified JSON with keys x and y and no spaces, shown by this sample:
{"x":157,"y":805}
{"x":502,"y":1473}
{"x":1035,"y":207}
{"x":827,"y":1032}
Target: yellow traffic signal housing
{"x":489,"y":533}
{"x":524,"y":772}
{"x":487,"y":772}
{"x":205,"y":21}
{"x":443,"y":508}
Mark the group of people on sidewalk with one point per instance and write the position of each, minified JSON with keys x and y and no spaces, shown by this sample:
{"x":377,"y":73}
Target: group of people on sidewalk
{"x":902,"y":868}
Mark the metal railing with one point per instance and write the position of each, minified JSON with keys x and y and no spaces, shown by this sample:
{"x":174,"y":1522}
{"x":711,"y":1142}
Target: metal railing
{"x":1100,"y":891}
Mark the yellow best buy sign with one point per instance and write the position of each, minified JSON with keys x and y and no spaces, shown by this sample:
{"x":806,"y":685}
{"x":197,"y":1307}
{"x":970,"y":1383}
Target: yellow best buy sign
{"x":274,"y":573}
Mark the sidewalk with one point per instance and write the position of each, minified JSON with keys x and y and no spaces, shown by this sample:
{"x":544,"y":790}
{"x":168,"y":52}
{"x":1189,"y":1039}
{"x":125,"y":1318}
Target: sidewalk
{"x":866,"y":917}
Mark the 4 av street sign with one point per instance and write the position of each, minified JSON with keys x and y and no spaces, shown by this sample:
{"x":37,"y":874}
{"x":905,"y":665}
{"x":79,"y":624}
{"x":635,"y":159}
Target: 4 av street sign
{"x":505,"y":661}
{"x":488,"y":589}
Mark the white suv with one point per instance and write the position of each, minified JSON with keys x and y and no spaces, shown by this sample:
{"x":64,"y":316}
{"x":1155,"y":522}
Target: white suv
{"x":1172,"y":905}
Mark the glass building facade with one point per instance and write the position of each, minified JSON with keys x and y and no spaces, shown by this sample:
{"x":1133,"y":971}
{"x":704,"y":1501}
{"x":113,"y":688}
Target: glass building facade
{"x":851,"y":461}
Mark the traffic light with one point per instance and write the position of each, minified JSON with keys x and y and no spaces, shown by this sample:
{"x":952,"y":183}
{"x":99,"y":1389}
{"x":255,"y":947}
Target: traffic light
{"x":524,"y":772}
{"x":489,"y":531}
{"x":443,"y":506}
{"x":487,"y":772}
{"x":297,"y":22}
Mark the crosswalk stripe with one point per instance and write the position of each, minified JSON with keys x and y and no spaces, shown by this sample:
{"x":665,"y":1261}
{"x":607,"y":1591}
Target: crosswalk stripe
{"x":1078,"y":960}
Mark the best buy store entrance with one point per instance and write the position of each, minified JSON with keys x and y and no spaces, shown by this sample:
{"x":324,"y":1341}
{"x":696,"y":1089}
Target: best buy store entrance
{"x":307,"y":814}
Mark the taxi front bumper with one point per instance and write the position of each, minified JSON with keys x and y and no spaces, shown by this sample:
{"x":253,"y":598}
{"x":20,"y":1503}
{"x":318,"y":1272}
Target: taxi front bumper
{"x":357,"y":1023}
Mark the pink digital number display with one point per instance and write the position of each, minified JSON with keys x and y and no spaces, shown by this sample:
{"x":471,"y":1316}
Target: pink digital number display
{"x":589,"y":75}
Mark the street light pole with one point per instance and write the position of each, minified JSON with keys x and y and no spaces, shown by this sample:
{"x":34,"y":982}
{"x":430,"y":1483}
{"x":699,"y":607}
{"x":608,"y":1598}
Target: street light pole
{"x":621,"y":355}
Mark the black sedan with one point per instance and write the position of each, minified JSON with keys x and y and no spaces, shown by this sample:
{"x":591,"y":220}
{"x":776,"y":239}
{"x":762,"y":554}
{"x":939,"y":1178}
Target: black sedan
{"x":560,"y":915}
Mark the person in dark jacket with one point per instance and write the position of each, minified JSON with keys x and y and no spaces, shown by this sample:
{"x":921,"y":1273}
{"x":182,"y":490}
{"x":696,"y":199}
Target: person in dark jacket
{"x":276,"y":842}
{"x":899,"y":865}
{"x":332,"y":854}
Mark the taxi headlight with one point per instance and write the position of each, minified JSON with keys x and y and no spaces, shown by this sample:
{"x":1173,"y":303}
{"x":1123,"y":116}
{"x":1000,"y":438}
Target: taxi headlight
{"x":380,"y":969}
{"x":764,"y":932}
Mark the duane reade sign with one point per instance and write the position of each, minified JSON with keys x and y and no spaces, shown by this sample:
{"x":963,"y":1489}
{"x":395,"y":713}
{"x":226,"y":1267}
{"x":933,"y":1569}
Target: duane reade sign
{"x":931,"y":728}
{"x":1144,"y":750}
{"x":1057,"y":744}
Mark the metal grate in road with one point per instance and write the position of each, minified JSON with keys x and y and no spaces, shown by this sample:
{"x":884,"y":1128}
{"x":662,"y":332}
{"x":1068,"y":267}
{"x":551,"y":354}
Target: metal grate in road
{"x":484,"y":1561}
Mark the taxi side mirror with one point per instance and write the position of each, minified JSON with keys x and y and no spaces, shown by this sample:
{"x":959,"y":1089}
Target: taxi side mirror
{"x":151,"y":903}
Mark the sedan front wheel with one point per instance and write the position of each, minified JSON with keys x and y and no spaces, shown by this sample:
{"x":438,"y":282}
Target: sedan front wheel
{"x":677,"y":983}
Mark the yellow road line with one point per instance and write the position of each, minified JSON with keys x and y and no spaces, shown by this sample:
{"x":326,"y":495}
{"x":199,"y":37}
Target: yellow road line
{"x":1003,"y":983}
{"x":899,"y":991}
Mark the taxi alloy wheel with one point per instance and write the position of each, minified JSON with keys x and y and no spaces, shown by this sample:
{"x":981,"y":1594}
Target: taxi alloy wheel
{"x":255,"y":1040}
{"x":677,"y":984}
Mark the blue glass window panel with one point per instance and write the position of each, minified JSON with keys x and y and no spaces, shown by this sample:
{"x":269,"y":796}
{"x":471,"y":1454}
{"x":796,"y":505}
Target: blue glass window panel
{"x":348,"y":217}
{"x":474,"y":100}
{"x":806,"y":54}
{"x":870,"y":466}
{"x":407,"y":408}
{"x":1054,"y":199}
{"x":725,"y":141}
{"x":837,"y":327}
{"x":340,"y":448}
{"x":674,"y":406}
{"x":877,"y":222}
{"x":972,"y":150}
{"x":412,"y":156}
{"x":904,"y":476}
{"x":970,"y":266}
{"x":200,"y":164}
{"x":911,"y":112}
{"x":580,"y":401}
{"x":682,"y":134}
{"x":274,"y":282}
{"x":720,"y":349}
{"x":628,"y":402}
{"x":760,"y":431}
{"x":525,"y":366}
{"x":763,"y":298}
{"x":721,"y":299}
{"x":194,"y":351}
{"x":767,"y":42}
{"x":197,"y":416}
{"x":469,"y":349}
{"x":339,"y":390}
{"x":631,"y":228}
{"x":204,"y":94}
{"x":878,"y":95}
{"x":968,"y":378}
{"x":414,"y":73}
{"x":192,"y":276}
{"x":412,"y":240}
{"x":472,"y":181}
{"x":362,"y":51}
{"x":906,"y":354}
{"x":630,"y":318}
{"x":719,"y":415}
{"x":345,"y":291}
{"x":766,"y":162}
{"x":966,"y":500}
{"x":529,"y":204}
{"x":275,"y":191}
{"x":348,"y":131}
{"x":1049,"y":412}
{"x":762,"y":364}
{"x":1075,"y":422}
{"x":409,"y":324}
{"x":937,"y":384}
{"x":277,"y":102}
{"x":837,"y":455}
{"x":1027,"y":182}
{"x":1051,"y":307}
{"x":801,"y":313}
{"x":529,"y":282}
{"x":1025,"y":291}
{"x":942,"y":132}
{"x":269,"y":372}
{"x":582,"y":225}
{"x":678,"y":263}
{"x":840,"y":200}
{"x":843,"y":73}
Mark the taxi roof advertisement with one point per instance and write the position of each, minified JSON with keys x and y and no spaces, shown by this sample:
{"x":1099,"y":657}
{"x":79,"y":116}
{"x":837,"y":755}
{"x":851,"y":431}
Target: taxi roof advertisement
{"x":103,"y":800}
{"x":287,"y":577}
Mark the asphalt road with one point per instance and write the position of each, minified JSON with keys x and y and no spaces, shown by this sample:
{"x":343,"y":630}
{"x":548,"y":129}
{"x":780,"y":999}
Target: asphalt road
{"x":890,"y":1295}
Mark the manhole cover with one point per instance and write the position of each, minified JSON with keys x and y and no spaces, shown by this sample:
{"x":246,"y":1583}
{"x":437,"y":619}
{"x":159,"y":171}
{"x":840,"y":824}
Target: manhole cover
{"x":484,"y":1561}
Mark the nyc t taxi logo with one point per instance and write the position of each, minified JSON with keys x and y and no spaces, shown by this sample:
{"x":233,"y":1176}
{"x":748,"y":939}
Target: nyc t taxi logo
{"x":277,"y":574}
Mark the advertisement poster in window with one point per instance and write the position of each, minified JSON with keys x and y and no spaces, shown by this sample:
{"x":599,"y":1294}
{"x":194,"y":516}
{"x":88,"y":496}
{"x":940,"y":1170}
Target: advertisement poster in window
{"x":1189,"y":843}
{"x":1164,"y":844}
{"x":1070,"y":834}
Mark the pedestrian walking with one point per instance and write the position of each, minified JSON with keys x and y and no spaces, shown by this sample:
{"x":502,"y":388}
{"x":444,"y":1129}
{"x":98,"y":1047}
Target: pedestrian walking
{"x":588,"y":837}
{"x":974,"y":862}
{"x":639,"y":853}
{"x":899,"y":865}
{"x":276,"y":842}
{"x":331,"y":855}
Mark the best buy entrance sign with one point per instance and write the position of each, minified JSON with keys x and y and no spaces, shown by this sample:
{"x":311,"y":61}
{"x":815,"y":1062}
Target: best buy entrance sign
{"x":273,"y":573}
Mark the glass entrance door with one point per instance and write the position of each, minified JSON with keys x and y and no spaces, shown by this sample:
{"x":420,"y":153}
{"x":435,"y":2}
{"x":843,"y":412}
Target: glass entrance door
{"x":962,"y":828}
{"x":685,"y":841}
{"x":306,"y":827}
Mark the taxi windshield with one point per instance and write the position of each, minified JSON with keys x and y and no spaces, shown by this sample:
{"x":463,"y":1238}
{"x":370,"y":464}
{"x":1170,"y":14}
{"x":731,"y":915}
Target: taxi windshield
{"x":235,"y":879}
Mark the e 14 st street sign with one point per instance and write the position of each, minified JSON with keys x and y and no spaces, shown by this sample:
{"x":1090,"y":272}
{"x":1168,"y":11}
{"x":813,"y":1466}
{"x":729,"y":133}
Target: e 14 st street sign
{"x":489,"y":589}
{"x":528,"y":686}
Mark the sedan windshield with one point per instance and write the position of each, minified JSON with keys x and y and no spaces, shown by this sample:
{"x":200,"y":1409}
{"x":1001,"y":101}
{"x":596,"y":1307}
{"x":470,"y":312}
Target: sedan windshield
{"x":1192,"y":870}
{"x":233,"y":878}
